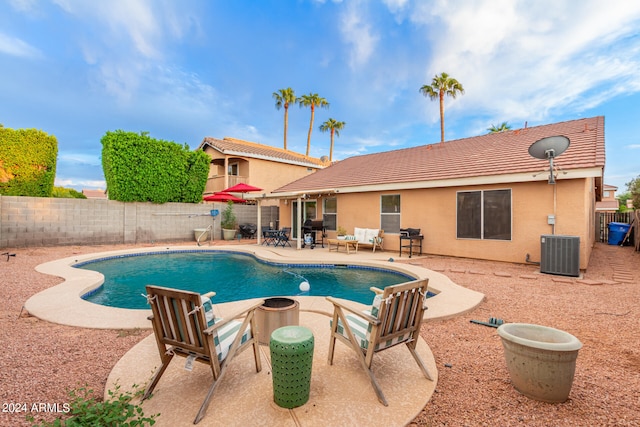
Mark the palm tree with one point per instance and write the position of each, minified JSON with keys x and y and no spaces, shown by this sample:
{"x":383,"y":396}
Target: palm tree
{"x":504,"y":126}
{"x":312,"y":100}
{"x":440,"y":86}
{"x":283,"y":98}
{"x":335,"y":127}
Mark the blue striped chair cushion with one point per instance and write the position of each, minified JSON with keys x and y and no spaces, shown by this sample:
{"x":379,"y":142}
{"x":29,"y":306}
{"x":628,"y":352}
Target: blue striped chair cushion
{"x":362,"y":329}
{"x":224,"y":337}
{"x":208,"y":311}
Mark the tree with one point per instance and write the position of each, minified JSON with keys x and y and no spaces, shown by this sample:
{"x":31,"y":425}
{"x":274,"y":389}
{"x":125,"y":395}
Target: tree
{"x":622,"y":201}
{"x":440,"y":86}
{"x":285,"y":97}
{"x":504,"y":126}
{"x":633,"y":187}
{"x":312,"y":100}
{"x":67,"y":193}
{"x":335,"y":127}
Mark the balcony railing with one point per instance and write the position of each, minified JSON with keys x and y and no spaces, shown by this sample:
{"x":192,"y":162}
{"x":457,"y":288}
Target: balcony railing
{"x":216,"y":183}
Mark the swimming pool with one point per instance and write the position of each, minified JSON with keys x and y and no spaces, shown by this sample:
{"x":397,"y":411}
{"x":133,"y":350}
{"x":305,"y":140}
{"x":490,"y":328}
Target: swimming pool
{"x":232,"y":275}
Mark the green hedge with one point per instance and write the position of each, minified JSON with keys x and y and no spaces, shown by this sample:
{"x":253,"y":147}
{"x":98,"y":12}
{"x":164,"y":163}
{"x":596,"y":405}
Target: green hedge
{"x":27,"y":162}
{"x":138,"y":168}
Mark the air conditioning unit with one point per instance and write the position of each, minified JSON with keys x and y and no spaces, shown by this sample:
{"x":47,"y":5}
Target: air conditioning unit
{"x":560,"y":255}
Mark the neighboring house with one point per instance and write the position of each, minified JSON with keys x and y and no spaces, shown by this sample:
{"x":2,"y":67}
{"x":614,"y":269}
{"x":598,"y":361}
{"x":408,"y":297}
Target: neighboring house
{"x":234,"y":161}
{"x":95,"y":194}
{"x":609,"y":202}
{"x":483,"y":197}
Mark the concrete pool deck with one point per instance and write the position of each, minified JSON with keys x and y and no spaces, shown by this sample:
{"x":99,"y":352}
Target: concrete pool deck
{"x":340,"y":394}
{"x":62,"y":303}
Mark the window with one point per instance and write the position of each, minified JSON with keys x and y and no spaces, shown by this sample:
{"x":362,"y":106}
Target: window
{"x":484,"y":215}
{"x":606,"y":194}
{"x":390,"y":213}
{"x":234,"y":169}
{"x":330,"y":213}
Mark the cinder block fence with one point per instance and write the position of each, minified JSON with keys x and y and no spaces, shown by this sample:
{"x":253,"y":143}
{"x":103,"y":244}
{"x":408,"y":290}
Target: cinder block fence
{"x":40,"y":221}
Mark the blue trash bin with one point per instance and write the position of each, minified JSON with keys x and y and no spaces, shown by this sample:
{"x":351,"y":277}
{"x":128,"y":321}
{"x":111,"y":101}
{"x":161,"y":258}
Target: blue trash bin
{"x":617,"y":231}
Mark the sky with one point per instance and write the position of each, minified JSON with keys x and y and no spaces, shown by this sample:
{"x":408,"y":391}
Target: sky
{"x":184,"y":70}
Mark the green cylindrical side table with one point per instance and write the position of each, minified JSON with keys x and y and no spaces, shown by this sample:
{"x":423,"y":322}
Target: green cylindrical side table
{"x":291,"y":360}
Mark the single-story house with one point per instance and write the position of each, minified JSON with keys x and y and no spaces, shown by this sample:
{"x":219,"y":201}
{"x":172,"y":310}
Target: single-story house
{"x":234,"y":161}
{"x":482,"y":197}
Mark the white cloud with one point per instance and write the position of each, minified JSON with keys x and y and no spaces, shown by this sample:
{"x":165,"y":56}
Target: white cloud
{"x":523,"y":60}
{"x":80,"y":184}
{"x":124,"y":40}
{"x":79,"y":159}
{"x":15,"y":47}
{"x":134,"y":20}
{"x":23,"y":5}
{"x":358,"y":33}
{"x":633,"y":146}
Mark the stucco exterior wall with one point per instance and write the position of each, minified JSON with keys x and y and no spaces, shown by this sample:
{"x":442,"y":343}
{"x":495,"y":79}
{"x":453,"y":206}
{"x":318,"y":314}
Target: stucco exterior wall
{"x":434,"y":212}
{"x":271,"y":175}
{"x":261,"y":173}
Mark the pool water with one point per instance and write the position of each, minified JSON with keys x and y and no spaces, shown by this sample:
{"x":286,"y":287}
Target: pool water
{"x":233,"y":276}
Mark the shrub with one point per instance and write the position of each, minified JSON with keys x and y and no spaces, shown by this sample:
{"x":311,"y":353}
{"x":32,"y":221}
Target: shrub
{"x":138,"y":168}
{"x":67,"y":193}
{"x":27,"y":162}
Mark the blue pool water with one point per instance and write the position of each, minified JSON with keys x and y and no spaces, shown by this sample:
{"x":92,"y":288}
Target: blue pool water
{"x":233,"y":276}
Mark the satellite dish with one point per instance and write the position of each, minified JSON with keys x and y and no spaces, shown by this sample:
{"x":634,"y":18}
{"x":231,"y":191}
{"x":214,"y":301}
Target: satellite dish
{"x":549,"y":148}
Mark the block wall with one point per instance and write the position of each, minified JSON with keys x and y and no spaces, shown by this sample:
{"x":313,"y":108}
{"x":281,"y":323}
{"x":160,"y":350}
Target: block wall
{"x":40,"y":221}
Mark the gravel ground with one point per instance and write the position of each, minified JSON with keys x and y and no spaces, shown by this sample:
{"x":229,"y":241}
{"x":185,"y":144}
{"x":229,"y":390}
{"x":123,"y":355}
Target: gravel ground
{"x":41,"y":361}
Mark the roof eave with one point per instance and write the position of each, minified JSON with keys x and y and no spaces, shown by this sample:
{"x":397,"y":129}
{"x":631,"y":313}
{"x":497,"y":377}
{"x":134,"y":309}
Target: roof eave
{"x":593,"y":172}
{"x":259,"y":156}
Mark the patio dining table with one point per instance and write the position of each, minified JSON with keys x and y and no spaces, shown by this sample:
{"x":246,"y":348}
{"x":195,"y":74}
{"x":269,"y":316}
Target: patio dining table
{"x":275,"y":238}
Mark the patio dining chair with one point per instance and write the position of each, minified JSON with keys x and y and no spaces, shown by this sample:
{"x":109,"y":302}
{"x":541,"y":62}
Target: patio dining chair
{"x":268,"y":235}
{"x":184,"y":325}
{"x":394,"y":318}
{"x":283,"y":237}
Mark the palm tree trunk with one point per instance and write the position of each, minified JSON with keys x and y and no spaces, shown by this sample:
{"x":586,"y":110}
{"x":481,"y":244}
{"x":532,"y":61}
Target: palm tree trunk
{"x":441,"y":116}
{"x":286,"y":125}
{"x":310,"y":128}
{"x":333,"y":131}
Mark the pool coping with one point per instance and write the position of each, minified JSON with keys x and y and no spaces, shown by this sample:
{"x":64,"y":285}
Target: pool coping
{"x":63,"y":304}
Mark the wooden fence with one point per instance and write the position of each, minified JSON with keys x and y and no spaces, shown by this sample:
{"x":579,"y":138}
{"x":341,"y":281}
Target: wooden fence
{"x":604,"y":218}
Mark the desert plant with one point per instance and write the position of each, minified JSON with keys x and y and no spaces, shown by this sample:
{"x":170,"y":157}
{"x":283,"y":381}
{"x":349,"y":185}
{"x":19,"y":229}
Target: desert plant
{"x":341,"y":231}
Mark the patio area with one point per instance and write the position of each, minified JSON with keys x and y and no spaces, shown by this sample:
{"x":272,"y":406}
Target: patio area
{"x":340,"y":394}
{"x":473,"y":386}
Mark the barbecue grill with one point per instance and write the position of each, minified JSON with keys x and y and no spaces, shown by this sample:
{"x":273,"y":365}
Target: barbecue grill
{"x":312,"y":227}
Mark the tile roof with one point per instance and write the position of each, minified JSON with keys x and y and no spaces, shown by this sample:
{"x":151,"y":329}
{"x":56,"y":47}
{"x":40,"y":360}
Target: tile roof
{"x":490,"y":155}
{"x":95,"y":194}
{"x":254,"y":150}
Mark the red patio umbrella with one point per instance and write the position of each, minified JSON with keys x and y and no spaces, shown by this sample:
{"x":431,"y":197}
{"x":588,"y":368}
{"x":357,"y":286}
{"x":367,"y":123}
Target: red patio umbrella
{"x":223,"y":197}
{"x":241,"y":188}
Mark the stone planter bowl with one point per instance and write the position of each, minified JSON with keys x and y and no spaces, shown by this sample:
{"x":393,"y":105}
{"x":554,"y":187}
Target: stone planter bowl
{"x":541,"y":360}
{"x":201,"y":233}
